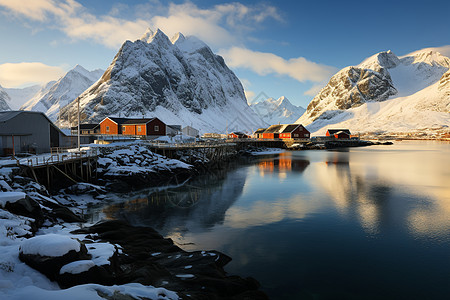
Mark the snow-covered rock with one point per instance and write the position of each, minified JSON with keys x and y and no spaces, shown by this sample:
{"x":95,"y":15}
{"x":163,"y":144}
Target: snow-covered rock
{"x":50,"y":245}
{"x":54,"y":95}
{"x":385,"y":94}
{"x":10,"y":197}
{"x":180,"y":81}
{"x":277,"y":111}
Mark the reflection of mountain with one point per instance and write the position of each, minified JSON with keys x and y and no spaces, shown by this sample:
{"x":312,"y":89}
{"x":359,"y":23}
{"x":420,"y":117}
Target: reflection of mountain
{"x":193,"y":207}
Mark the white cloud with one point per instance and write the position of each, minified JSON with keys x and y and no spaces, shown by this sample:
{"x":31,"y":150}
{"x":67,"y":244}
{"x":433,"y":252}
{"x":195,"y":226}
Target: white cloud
{"x":26,"y":73}
{"x":219,"y":25}
{"x":268,"y":63}
{"x":315,"y":89}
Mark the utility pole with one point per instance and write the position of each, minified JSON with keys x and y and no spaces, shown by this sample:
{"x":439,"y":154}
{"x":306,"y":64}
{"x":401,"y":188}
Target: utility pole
{"x":78,"y":101}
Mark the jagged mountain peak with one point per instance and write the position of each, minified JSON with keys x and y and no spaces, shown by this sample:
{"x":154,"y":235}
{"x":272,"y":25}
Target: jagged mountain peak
{"x":274,"y":111}
{"x":384,"y":59}
{"x":428,"y":56}
{"x":178,"y":37}
{"x":170,"y":81}
{"x":147,"y":34}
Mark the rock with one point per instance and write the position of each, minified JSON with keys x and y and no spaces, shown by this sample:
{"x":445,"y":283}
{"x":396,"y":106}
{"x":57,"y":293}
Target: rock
{"x":150,"y":259}
{"x":29,"y":208}
{"x":51,"y":265}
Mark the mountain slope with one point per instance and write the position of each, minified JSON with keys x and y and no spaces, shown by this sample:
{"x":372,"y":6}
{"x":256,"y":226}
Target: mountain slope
{"x":275,"y":111}
{"x":411,"y":95}
{"x":55,"y":95}
{"x":4,"y":100}
{"x":19,"y":96}
{"x":180,"y":81}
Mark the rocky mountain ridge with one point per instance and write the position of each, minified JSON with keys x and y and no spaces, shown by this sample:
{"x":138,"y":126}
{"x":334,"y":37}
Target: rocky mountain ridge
{"x":382,"y":89}
{"x":180,"y":81}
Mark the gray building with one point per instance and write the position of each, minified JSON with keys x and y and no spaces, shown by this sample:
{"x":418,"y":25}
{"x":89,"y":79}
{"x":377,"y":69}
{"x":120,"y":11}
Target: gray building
{"x":27,"y":131}
{"x":190,"y":131}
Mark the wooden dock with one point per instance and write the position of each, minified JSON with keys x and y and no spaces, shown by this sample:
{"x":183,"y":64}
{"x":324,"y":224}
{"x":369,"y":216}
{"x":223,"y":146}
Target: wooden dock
{"x":73,"y":166}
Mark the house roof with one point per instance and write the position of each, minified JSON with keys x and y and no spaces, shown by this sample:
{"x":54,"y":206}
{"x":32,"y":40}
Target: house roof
{"x":238,"y":133}
{"x":274,"y":129}
{"x":84,"y":126}
{"x":118,"y":121}
{"x":8,"y":115}
{"x":290,"y":127}
{"x":260,"y":130}
{"x":334,"y":131}
{"x":137,"y":121}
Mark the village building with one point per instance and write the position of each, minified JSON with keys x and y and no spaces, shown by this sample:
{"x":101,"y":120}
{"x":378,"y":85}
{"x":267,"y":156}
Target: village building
{"x":273,"y":132}
{"x":28,"y":131}
{"x":173,"y":130}
{"x":258,"y":134}
{"x":127,"y":126}
{"x":338,"y":133}
{"x":191,"y":131}
{"x":294,"y":131}
{"x":85,"y":129}
{"x":238,"y":135}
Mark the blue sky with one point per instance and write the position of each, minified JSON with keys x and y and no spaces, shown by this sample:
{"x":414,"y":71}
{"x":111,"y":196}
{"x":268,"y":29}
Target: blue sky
{"x":277,"y":48}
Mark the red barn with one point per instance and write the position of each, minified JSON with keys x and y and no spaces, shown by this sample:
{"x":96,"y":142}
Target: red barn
{"x":294,"y":131}
{"x":339,"y":133}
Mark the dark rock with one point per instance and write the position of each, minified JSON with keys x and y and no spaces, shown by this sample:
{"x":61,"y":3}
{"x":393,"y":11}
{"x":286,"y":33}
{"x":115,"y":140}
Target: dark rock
{"x":49,"y":265}
{"x":29,"y":208}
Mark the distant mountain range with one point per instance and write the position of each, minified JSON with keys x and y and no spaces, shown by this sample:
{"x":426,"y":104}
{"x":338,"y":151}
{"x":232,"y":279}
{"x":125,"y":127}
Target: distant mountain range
{"x":180,"y":81}
{"x":277,"y":111}
{"x":57,"y":94}
{"x":385,"y":94}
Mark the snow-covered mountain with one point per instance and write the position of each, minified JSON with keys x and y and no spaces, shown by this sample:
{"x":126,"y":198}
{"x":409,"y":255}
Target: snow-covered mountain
{"x":385,"y":94}
{"x":56,"y":94}
{"x":19,"y":96}
{"x":275,"y":111}
{"x":4,"y":100}
{"x":180,"y":81}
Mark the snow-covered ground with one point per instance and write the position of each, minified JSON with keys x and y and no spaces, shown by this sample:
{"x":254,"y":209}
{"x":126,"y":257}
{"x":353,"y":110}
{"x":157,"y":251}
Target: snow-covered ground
{"x":18,"y":280}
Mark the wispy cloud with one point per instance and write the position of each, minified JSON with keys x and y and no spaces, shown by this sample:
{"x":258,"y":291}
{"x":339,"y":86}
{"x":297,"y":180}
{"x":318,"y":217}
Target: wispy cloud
{"x":26,"y":73}
{"x":264,"y":63}
{"x":219,"y":25}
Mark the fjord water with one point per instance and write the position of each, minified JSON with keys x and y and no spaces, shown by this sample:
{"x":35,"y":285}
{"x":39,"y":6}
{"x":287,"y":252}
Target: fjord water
{"x":358,"y":223}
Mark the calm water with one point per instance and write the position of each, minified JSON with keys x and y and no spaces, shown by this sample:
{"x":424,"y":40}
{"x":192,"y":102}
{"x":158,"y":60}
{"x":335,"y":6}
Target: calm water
{"x":363,"y":223}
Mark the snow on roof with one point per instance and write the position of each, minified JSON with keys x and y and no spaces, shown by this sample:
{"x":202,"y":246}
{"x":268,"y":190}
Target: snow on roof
{"x":10,"y":197}
{"x":334,"y":131}
{"x":49,"y":245}
{"x":290,"y":128}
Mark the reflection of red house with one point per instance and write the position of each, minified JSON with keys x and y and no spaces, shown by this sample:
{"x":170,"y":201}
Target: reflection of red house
{"x":294,"y":131}
{"x":237,"y":135}
{"x":125,"y":126}
{"x":339,"y":133}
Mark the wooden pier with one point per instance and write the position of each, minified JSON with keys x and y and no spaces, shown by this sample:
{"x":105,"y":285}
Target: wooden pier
{"x":71,"y":166}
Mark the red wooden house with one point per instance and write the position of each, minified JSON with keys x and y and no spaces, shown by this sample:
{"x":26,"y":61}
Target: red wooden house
{"x":237,"y":135}
{"x":258,"y":134}
{"x":294,"y":131}
{"x":126,"y":126}
{"x":338,"y":133}
{"x":273,"y":132}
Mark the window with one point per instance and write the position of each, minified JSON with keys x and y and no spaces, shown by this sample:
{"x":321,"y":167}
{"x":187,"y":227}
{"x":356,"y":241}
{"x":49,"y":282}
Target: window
{"x":124,"y":129}
{"x":107,"y":128}
{"x":306,"y":134}
{"x":295,"y":134}
{"x":139,"y":128}
{"x":156,"y":128}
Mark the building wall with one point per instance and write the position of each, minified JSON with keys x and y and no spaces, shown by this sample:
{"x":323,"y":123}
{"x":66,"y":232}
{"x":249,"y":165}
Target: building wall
{"x":161,"y":126}
{"x":342,"y":135}
{"x":113,"y":127}
{"x":129,"y":129}
{"x":302,"y":133}
{"x":31,"y":133}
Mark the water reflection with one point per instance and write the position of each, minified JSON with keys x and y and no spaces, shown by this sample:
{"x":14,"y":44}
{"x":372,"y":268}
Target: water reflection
{"x":320,"y":222}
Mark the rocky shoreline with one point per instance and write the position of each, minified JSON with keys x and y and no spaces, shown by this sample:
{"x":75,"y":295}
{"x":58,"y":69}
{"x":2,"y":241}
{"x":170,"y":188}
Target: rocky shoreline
{"x":140,"y":254}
